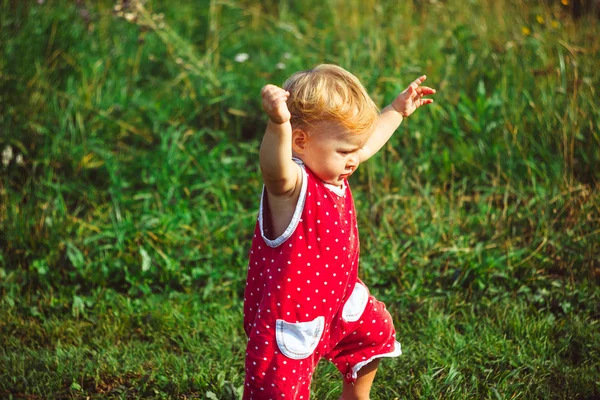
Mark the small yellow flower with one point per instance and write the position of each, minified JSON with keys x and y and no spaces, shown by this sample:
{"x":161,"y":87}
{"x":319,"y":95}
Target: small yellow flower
{"x":526,"y":31}
{"x":540,"y":19}
{"x":565,"y":2}
{"x":555,"y":24}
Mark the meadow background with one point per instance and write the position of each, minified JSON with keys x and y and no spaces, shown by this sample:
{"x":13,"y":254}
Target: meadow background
{"x":129,"y":189}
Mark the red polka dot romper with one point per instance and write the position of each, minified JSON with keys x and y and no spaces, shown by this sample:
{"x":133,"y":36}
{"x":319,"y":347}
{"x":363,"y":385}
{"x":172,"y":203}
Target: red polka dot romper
{"x":303,"y":299}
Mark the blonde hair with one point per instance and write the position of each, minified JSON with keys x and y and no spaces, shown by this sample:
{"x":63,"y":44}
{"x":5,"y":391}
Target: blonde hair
{"x":330,"y":93}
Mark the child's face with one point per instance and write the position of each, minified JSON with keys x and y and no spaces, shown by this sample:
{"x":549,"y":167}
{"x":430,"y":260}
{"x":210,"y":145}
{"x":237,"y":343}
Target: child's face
{"x":331,"y":152}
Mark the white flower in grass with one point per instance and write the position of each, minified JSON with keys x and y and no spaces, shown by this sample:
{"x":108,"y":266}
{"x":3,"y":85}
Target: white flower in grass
{"x":280,"y":65}
{"x":19,"y":159}
{"x":241,"y":57}
{"x":7,"y":155}
{"x":287,"y":56}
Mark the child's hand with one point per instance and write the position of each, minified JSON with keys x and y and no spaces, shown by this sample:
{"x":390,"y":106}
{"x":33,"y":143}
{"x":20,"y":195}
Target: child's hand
{"x":274,"y":103}
{"x":412,"y":97}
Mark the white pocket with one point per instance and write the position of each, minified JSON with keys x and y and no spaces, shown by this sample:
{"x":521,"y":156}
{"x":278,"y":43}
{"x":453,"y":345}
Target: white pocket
{"x":299,"y":340}
{"x":356,"y":304}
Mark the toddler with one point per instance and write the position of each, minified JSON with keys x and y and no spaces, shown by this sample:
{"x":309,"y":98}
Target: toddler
{"x":303,"y":298}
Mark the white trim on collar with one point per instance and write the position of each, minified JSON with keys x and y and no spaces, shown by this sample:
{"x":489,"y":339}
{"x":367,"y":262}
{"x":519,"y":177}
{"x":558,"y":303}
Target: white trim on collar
{"x":339,"y":190}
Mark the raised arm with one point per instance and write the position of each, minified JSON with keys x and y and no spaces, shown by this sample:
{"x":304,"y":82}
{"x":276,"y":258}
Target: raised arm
{"x":391,"y":117}
{"x":280,"y":173}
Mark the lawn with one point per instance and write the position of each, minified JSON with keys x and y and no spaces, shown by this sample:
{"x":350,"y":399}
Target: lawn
{"x":129,"y":187}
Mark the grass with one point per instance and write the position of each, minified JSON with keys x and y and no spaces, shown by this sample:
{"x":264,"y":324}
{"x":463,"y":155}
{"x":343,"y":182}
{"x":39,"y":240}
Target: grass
{"x":174,"y":346}
{"x":126,"y":223}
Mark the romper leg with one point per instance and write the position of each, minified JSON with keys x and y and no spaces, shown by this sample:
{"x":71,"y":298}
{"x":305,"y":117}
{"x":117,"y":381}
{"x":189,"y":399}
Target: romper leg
{"x":365,"y":341}
{"x":272,"y":375}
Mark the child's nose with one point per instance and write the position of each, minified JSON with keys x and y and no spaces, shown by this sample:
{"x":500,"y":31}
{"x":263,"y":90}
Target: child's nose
{"x":353,"y":160}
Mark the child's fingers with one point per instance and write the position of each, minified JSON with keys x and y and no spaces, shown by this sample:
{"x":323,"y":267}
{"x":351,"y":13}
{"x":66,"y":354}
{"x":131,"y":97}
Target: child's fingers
{"x":271,"y":97}
{"x":418,"y":81}
{"x":271,"y":91}
{"x":277,"y":107}
{"x":425,"y":90}
{"x":412,"y":90}
{"x":277,"y":101}
{"x":268,"y":89}
{"x":272,"y":94}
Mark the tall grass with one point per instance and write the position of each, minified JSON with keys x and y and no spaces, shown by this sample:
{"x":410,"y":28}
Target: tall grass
{"x":137,"y":133}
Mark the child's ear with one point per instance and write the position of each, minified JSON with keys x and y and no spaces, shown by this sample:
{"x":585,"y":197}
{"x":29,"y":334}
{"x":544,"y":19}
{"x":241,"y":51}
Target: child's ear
{"x":299,"y":140}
